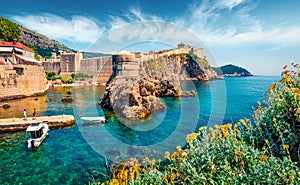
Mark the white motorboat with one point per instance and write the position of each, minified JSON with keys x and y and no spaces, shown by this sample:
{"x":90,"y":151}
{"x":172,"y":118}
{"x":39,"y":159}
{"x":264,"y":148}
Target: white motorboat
{"x":37,"y":134}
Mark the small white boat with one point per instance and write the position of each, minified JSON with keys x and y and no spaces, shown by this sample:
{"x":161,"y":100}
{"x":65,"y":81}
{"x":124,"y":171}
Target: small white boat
{"x":37,"y":134}
{"x":95,"y":119}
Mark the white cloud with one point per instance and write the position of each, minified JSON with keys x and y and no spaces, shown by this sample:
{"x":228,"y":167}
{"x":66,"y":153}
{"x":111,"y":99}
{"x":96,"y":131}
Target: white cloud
{"x":229,"y":3}
{"x":220,"y":23}
{"x":76,"y":29}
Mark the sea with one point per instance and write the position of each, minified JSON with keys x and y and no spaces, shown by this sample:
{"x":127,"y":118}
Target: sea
{"x":83,"y":153}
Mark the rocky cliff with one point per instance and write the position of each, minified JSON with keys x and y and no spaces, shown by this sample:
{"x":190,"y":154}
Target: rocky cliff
{"x":136,"y":97}
{"x":181,"y":67}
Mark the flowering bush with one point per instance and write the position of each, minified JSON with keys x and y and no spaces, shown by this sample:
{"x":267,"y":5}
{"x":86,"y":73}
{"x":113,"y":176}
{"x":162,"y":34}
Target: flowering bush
{"x":262,"y":151}
{"x":277,"y":124}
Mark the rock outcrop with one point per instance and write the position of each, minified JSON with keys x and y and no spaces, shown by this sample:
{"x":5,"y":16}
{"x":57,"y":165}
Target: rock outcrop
{"x":136,"y":97}
{"x":183,"y":66}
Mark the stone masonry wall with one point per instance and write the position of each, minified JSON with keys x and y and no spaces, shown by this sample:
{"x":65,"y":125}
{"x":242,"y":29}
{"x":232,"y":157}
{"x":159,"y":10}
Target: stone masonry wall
{"x":18,"y":81}
{"x":100,"y":68}
{"x":67,"y":63}
{"x":51,"y":66}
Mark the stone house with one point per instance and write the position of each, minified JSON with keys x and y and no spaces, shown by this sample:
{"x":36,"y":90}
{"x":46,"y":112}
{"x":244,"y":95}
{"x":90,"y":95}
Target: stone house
{"x":13,"y":53}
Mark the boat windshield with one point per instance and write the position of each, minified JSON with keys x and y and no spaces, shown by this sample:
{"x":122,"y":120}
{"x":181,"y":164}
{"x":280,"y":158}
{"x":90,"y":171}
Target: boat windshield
{"x":36,"y":134}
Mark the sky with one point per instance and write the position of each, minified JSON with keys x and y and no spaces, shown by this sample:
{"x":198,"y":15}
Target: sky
{"x":260,"y":35}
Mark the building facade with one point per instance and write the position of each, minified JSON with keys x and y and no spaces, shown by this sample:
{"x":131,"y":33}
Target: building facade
{"x":13,"y":53}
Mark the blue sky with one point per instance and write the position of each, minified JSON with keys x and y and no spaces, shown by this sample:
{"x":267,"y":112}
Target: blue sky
{"x":260,"y":35}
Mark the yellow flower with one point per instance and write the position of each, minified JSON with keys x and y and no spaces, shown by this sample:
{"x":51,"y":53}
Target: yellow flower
{"x":191,"y":137}
{"x":165,"y":180}
{"x":274,"y":119}
{"x":286,"y":146}
{"x":297,"y":91}
{"x":153,"y":161}
{"x":179,"y":148}
{"x":202,"y":128}
{"x":262,"y":158}
{"x":263,"y":148}
{"x":267,"y":141}
{"x":167,"y":155}
{"x":175,"y":155}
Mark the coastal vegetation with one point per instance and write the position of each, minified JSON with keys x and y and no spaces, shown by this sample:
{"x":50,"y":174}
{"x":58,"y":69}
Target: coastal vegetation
{"x":261,"y":150}
{"x":81,"y":75}
{"x":51,"y":77}
{"x":8,"y":30}
{"x":36,"y":54}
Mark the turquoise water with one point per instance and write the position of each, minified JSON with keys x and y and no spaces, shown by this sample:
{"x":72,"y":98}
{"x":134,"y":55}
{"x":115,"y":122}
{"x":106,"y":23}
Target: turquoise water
{"x":77,"y":155}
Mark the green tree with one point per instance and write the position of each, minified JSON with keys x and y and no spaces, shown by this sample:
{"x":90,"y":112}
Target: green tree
{"x":36,"y":54}
{"x":9,"y":30}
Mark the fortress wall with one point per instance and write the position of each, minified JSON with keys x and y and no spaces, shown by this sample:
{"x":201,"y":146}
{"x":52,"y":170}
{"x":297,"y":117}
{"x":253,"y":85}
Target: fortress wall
{"x":68,"y":63}
{"x":51,"y":66}
{"x":18,"y":81}
{"x":125,"y":65}
{"x":198,"y":52}
{"x":100,"y":68}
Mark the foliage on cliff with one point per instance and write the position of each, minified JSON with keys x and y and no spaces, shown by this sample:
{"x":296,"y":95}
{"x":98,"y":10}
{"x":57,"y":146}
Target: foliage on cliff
{"x":262,"y":151}
{"x":186,"y":66}
{"x":232,"y":69}
{"x":8,"y":30}
{"x":36,"y":54}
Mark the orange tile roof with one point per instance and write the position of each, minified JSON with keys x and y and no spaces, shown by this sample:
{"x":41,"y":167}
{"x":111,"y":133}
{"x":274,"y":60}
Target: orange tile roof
{"x":17,"y":45}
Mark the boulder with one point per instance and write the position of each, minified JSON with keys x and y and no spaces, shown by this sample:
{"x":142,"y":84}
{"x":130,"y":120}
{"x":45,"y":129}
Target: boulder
{"x":67,"y":99}
{"x":58,"y":82}
{"x":5,"y":106}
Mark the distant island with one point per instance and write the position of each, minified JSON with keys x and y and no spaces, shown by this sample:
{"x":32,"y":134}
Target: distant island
{"x":231,"y":70}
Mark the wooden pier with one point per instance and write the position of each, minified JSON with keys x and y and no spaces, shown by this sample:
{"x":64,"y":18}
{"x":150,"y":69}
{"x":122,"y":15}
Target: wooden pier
{"x":18,"y":124}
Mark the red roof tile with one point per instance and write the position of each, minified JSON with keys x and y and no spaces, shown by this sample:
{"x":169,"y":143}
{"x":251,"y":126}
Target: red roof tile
{"x":17,"y":45}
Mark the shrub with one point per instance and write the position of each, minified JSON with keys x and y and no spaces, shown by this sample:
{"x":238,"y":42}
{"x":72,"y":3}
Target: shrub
{"x":67,"y":80}
{"x":81,"y":75}
{"x":50,"y":75}
{"x":277,"y":120}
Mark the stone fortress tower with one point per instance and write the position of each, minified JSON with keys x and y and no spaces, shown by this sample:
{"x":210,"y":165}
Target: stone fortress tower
{"x":101,"y":68}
